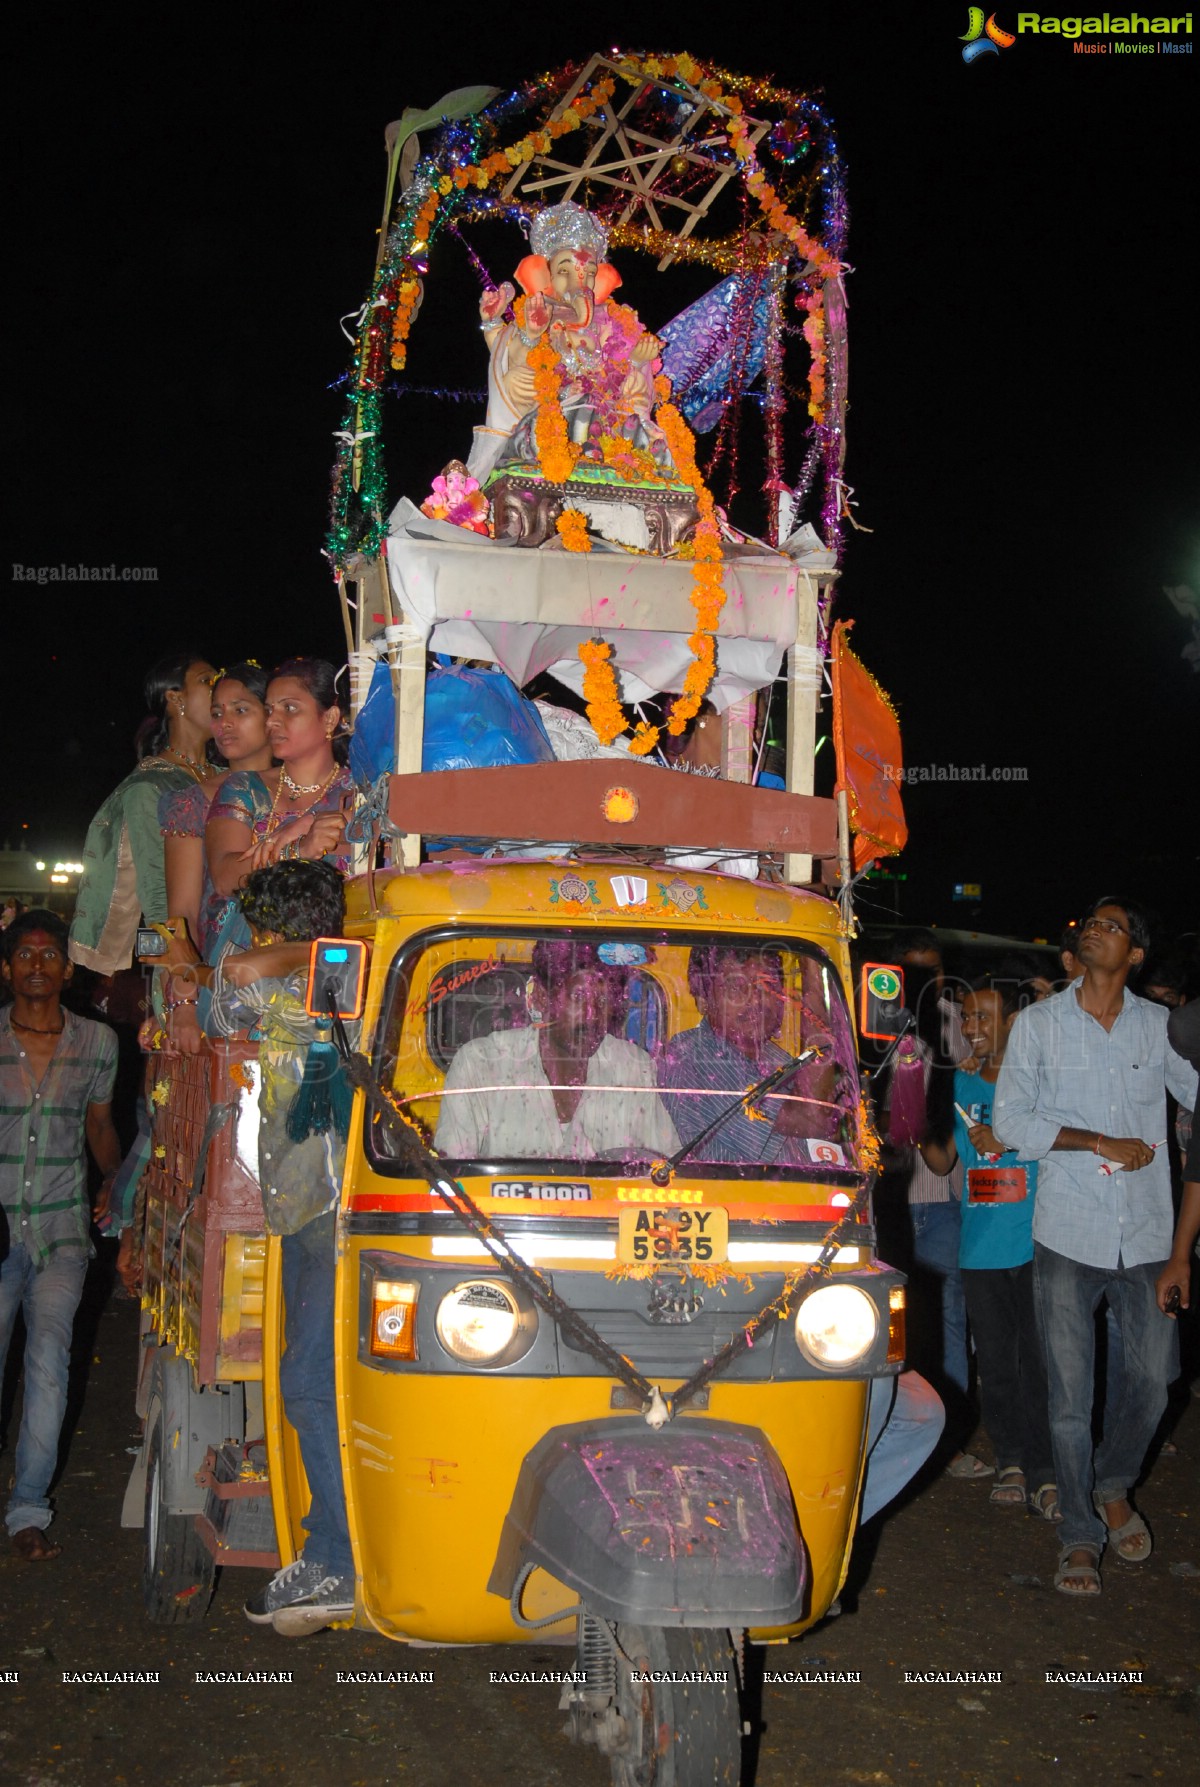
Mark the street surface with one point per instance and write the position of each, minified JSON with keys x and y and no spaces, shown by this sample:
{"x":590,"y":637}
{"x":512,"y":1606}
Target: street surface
{"x":946,"y":1584}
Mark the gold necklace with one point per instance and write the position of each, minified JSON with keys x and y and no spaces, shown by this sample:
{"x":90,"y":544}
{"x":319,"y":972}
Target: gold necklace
{"x":318,"y":788}
{"x":285,"y":781}
{"x":199,"y":767}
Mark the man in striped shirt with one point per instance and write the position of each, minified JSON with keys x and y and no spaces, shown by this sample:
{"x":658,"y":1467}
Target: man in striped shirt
{"x":56,"y":1081}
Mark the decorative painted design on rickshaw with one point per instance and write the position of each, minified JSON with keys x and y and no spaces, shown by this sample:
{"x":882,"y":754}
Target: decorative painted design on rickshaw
{"x":683,"y":895}
{"x":574,"y":890}
{"x":439,"y":990}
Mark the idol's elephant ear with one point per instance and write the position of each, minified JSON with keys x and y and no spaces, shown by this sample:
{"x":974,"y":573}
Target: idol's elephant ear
{"x":607,"y":281}
{"x":533,"y":274}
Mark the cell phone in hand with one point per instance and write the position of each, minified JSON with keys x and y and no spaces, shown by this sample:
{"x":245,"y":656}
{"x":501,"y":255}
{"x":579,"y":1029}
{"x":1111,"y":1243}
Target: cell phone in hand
{"x":1174,"y":1299}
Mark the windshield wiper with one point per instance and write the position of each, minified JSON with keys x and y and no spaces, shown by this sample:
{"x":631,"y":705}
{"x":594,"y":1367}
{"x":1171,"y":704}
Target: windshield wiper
{"x":661,"y":1174}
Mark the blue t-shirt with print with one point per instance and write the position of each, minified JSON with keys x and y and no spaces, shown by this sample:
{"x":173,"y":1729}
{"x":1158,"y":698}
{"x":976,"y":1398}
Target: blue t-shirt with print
{"x":993,"y":1235}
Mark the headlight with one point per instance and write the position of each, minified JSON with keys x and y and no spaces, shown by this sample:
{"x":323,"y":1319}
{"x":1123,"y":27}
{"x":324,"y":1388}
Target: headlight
{"x":836,"y":1326}
{"x":478,"y":1322}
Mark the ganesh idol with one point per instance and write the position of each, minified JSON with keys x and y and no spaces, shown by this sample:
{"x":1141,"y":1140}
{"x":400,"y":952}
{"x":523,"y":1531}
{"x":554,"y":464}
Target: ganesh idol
{"x":605,"y":359}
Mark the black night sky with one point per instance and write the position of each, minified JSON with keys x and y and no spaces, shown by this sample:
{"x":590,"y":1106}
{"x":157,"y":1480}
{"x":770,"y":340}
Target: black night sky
{"x":193,"y":203}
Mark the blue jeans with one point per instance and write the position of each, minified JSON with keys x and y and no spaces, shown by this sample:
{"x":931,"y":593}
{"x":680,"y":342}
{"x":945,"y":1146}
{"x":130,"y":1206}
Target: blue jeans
{"x":904,"y":1423}
{"x":936,"y":1231}
{"x":49,"y":1299}
{"x":1012,"y":1369}
{"x":307,"y":1386}
{"x":1068,"y":1295}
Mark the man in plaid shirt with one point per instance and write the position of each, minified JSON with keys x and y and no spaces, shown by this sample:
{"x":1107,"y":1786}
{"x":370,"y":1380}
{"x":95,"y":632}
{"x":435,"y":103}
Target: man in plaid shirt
{"x":56,"y":1082}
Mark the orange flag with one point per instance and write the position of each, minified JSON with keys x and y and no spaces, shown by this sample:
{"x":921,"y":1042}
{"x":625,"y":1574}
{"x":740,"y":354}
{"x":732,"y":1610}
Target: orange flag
{"x":870,"y":761}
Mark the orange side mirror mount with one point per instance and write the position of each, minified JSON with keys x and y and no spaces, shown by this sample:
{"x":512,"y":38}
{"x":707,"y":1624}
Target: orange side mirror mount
{"x":337,"y":978}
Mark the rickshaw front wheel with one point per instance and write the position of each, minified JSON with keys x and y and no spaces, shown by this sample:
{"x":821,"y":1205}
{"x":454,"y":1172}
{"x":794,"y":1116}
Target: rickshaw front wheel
{"x":684,"y":1729}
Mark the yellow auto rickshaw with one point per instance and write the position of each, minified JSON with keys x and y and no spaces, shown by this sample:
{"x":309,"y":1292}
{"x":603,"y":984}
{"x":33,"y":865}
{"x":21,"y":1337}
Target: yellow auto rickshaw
{"x":606,"y":1397}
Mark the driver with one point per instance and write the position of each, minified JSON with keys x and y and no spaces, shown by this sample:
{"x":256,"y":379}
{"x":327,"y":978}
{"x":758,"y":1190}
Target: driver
{"x":561,"y":1088}
{"x":742,"y":995}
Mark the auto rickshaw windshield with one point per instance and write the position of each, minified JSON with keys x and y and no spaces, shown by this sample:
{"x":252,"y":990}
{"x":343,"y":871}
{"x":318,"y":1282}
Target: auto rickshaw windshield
{"x":609,"y":1052}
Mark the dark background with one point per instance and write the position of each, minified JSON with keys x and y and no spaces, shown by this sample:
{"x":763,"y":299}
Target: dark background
{"x":195,"y":196}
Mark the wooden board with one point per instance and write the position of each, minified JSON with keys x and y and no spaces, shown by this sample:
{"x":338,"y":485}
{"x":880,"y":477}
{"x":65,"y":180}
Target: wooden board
{"x":565,"y":803}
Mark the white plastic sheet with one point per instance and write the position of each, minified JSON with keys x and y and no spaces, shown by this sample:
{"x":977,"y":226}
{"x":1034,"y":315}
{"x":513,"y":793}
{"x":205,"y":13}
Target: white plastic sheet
{"x":529,"y":609}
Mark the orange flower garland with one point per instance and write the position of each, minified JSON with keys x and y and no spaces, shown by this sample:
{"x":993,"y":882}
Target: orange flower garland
{"x":632,"y":464}
{"x":825,"y":264}
{"x":604,"y":708}
{"x":708,"y":599}
{"x":556,"y":454}
{"x":708,"y":590}
{"x":572,"y":525}
{"x":408,"y":292}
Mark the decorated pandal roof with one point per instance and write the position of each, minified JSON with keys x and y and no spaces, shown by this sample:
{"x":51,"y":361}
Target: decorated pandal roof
{"x":585,"y":467}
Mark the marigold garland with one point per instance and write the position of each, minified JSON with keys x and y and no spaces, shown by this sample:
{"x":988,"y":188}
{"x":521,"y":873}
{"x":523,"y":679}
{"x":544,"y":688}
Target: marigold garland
{"x":631,"y":464}
{"x":556,"y":454}
{"x":708,"y":599}
{"x":708,"y":590}
{"x":572,"y":526}
{"x":604,"y":708}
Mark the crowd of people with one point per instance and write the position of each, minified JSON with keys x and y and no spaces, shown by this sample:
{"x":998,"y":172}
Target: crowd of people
{"x":1038,"y":1192}
{"x":1041,"y":1192}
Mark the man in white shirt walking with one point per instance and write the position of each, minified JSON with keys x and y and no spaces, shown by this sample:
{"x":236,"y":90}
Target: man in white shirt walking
{"x":1083,"y":1091}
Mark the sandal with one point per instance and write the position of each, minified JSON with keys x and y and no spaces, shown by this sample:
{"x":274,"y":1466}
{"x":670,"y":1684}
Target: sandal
{"x":32,"y":1544}
{"x":1008,"y":1491}
{"x":1044,"y":1501}
{"x":969,"y":1468}
{"x":1134,"y":1533}
{"x":1087,"y":1574}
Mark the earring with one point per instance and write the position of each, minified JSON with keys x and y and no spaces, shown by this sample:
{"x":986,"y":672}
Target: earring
{"x":181,"y":710}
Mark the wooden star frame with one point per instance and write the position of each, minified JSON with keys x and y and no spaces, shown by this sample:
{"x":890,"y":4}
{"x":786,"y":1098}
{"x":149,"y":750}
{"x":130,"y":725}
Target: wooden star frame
{"x":631,"y":161}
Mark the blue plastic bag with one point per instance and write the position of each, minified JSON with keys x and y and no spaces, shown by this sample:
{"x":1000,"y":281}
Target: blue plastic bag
{"x":375,"y":730}
{"x":479,"y":719}
{"x":474,"y":719}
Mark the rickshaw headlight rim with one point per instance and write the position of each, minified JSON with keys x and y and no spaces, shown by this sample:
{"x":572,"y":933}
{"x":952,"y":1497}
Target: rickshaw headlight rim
{"x":836,"y":1326}
{"x":478,"y":1321}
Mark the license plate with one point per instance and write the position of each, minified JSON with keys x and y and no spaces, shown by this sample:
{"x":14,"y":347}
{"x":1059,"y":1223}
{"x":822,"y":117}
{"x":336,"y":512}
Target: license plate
{"x":663,"y":1234}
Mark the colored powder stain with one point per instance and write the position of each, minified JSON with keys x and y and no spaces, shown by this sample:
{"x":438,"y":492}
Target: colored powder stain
{"x":711,"y":1521}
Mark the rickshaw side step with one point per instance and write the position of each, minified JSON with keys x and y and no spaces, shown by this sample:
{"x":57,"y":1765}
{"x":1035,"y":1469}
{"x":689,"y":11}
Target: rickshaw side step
{"x":236,"y":1522}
